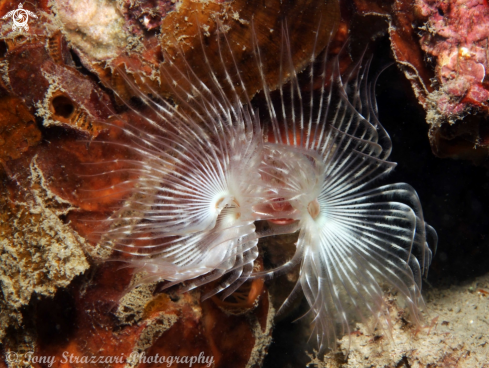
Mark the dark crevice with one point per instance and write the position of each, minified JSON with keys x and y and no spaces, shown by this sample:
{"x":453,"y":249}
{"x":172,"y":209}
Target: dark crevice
{"x":403,"y":363}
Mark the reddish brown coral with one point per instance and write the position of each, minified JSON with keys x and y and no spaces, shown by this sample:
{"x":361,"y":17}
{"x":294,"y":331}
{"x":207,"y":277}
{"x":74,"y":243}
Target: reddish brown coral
{"x":141,"y":326}
{"x":183,"y":34}
{"x":58,"y":93}
{"x":452,"y":36}
{"x":18,"y":129}
{"x":456,"y":35}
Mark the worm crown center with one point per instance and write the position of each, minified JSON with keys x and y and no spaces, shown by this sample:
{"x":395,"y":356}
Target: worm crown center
{"x":313,"y":208}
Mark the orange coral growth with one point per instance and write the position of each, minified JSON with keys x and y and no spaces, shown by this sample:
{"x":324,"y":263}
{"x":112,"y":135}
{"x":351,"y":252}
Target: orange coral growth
{"x":182,"y":32}
{"x":165,"y":325}
{"x":18,"y":129}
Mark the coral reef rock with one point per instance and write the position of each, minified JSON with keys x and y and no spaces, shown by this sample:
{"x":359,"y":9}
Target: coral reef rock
{"x":38,"y":252}
{"x":455,"y":334}
{"x":139,"y":36}
{"x":442,"y":48}
{"x":109,"y":318}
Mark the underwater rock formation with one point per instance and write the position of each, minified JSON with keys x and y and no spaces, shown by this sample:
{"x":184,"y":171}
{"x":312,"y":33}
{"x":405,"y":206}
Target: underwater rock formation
{"x":442,"y":48}
{"x":18,"y":130}
{"x":107,"y":321}
{"x":138,"y":37}
{"x":455,"y":335}
{"x":39,"y":253}
{"x":456,"y":35}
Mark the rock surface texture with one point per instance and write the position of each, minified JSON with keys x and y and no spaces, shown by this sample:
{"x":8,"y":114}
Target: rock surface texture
{"x":455,"y":334}
{"x":442,"y":47}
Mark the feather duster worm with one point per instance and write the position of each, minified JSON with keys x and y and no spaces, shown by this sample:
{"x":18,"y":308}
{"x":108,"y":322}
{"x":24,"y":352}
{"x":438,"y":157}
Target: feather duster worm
{"x":326,"y":149}
{"x":195,"y":181}
{"x":203,"y":174}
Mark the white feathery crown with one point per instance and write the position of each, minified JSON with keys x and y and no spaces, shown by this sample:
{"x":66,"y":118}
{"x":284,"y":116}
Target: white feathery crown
{"x":205,"y":169}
